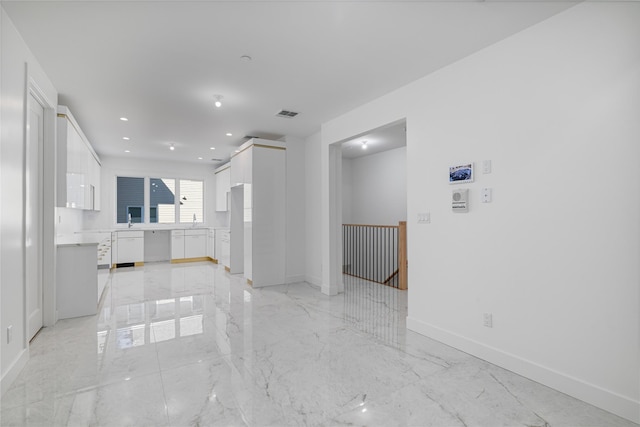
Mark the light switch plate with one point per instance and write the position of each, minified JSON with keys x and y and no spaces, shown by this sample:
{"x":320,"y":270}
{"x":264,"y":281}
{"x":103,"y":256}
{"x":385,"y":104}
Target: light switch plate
{"x":424,"y":218}
{"x":486,"y":166}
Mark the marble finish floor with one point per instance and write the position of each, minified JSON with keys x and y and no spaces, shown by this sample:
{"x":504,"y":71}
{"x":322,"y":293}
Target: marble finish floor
{"x":190,"y":345}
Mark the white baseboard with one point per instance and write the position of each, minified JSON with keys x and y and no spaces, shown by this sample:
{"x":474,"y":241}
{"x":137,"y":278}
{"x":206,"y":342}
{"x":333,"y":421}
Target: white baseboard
{"x":295,"y":279}
{"x":600,"y":397}
{"x":14,"y":370}
{"x":315,"y":281}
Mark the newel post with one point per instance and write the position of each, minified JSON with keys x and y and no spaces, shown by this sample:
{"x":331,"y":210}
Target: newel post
{"x":402,"y":255}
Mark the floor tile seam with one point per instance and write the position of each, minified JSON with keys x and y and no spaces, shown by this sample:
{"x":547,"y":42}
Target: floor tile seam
{"x":415,"y":358}
{"x":164,"y":393}
{"x":237,"y":403}
{"x":53,"y":393}
{"x":321,"y":311}
{"x":377,"y":401}
{"x":105,"y":382}
{"x":220,"y":357}
{"x":4,"y":406}
{"x":106,"y":378}
{"x":451,"y":365}
{"x":54,"y":396}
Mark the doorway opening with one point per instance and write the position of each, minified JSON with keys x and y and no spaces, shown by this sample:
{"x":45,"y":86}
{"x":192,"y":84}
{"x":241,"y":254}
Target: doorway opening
{"x":374,"y":206}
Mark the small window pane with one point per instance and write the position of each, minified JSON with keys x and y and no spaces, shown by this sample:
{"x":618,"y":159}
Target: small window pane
{"x":130,"y":195}
{"x":191,"y":206}
{"x":162,"y":200}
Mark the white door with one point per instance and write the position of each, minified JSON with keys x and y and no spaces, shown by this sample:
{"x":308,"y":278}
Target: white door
{"x":33,"y":215}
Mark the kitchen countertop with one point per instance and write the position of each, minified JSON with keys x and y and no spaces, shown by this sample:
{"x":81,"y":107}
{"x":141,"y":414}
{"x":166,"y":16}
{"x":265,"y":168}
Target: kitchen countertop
{"x":147,"y":228}
{"x":76,"y":240}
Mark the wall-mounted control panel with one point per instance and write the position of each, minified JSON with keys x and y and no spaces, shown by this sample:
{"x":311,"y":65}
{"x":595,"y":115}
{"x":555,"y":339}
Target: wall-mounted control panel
{"x":460,"y":200}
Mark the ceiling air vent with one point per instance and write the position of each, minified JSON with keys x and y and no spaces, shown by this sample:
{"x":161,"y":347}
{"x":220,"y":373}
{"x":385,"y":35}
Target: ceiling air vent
{"x":287,"y":114}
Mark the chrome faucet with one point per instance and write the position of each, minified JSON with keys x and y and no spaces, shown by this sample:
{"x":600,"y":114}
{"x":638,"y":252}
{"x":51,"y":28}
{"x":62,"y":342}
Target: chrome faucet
{"x":194,"y":221}
{"x":130,"y":223}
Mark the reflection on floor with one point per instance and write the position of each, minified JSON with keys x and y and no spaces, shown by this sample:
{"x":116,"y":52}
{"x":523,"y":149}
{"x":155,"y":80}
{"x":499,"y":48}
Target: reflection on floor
{"x":189,"y":345}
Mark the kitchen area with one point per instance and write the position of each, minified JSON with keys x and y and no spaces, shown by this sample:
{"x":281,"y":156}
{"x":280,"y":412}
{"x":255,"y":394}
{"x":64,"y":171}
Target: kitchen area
{"x":117,"y":213}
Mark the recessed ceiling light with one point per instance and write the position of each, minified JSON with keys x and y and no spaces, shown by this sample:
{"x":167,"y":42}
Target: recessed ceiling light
{"x":127,"y":151}
{"x":199,"y":158}
{"x":124,"y":119}
{"x":212,"y":148}
{"x":364,"y":145}
{"x":229,"y":134}
{"x":126,"y":138}
{"x":237,"y":151}
{"x":171,"y":147}
{"x":218,"y":99}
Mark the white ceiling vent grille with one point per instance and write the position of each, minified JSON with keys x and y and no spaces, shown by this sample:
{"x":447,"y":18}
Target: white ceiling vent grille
{"x":287,"y":114}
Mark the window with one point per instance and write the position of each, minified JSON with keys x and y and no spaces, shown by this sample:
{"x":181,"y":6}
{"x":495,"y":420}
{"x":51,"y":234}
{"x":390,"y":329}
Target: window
{"x":162,"y":200}
{"x":130,"y":200}
{"x":191,"y":201}
{"x":169,"y":200}
{"x":135,"y":213}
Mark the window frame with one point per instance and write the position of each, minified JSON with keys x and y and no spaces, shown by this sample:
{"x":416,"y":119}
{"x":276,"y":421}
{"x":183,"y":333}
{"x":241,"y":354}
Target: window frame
{"x":146,"y":214}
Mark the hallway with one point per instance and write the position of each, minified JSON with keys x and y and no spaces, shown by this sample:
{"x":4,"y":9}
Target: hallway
{"x":187,"y":344}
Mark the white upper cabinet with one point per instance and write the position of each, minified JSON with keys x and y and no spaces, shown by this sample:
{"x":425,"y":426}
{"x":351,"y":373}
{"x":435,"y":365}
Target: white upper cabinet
{"x":78,"y":165}
{"x":241,"y":167}
{"x":223,"y":187}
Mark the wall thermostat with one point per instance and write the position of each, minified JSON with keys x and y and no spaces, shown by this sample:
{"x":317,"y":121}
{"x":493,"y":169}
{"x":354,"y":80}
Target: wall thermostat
{"x":460,"y":200}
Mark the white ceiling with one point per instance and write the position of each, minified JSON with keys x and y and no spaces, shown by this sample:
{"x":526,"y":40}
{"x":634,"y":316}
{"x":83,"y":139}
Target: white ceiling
{"x":376,"y":141}
{"x":160,"y":63}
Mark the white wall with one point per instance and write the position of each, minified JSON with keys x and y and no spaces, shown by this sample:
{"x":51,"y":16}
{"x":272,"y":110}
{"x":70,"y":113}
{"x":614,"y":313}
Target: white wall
{"x":377,"y":187}
{"x":15,"y":56}
{"x":295,"y":211}
{"x":347,"y":191}
{"x":105,"y":219}
{"x":69,"y":221}
{"x":313,"y":215}
{"x":555,"y":256}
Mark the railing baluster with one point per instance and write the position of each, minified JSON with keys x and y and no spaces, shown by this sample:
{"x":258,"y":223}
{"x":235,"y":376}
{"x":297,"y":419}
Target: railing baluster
{"x":375,"y":253}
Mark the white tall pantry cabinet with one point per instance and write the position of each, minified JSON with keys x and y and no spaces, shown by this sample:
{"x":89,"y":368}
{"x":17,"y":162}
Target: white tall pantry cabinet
{"x":258,"y":211}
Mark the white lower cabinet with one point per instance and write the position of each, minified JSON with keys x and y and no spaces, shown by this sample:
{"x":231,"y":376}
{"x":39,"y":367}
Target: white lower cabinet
{"x":177,"y":244}
{"x":130,"y":247}
{"x":223,"y":247}
{"x":77,"y":280}
{"x":189,"y":244}
{"x":195,"y":243}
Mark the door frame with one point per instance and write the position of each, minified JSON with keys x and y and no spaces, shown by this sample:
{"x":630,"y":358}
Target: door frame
{"x":47,"y":177}
{"x":331,"y":200}
{"x":33,"y":176}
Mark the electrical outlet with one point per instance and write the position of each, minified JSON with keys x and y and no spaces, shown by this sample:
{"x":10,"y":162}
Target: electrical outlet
{"x":485,"y":195}
{"x":488,"y":320}
{"x":9,"y":334}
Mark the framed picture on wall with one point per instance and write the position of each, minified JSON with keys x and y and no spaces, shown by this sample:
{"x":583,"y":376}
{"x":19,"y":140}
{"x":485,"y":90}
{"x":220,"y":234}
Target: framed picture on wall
{"x":461,"y":173}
